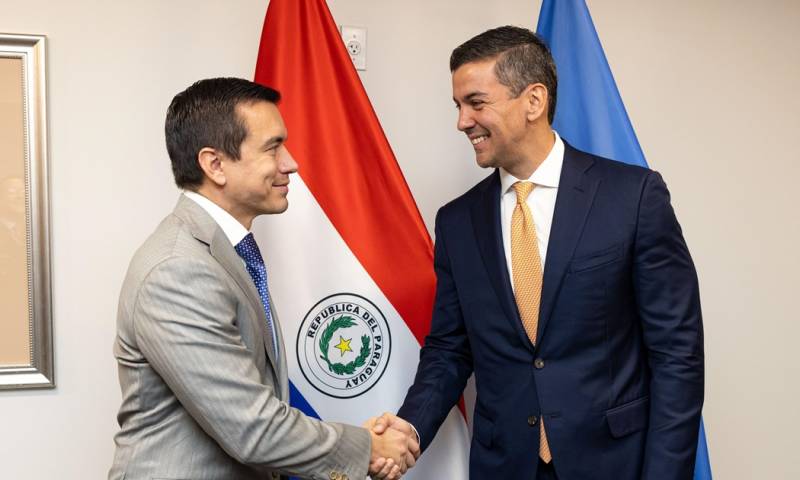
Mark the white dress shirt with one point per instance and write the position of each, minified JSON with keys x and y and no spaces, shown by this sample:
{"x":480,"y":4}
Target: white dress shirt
{"x":234,"y":230}
{"x":541,"y":201}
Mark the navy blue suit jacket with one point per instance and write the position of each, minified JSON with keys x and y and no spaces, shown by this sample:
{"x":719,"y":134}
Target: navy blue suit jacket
{"x":617,"y":371}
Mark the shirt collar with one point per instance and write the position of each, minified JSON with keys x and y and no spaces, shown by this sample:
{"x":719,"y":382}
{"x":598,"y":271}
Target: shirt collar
{"x":546,"y":175}
{"x":234,"y":230}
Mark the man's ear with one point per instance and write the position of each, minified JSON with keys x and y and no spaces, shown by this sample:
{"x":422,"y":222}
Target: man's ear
{"x":537,"y":97}
{"x":211,"y":164}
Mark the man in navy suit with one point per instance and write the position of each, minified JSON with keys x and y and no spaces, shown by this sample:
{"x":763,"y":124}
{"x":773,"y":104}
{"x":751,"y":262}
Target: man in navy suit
{"x":565,"y":285}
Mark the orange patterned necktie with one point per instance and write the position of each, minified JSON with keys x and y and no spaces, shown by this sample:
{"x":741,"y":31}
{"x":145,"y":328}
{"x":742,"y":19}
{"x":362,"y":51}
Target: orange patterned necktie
{"x":526,"y":266}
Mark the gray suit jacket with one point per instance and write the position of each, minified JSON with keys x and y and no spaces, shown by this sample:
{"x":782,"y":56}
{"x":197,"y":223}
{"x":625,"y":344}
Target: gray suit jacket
{"x":202,"y":396}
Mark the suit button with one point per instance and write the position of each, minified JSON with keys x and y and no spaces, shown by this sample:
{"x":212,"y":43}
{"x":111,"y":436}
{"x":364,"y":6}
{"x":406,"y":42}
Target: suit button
{"x":532,"y":420}
{"x":334,"y":475}
{"x":538,"y":363}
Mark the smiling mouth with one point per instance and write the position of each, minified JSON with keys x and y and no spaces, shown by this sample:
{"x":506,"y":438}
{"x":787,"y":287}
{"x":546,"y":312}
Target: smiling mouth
{"x":477,"y":140}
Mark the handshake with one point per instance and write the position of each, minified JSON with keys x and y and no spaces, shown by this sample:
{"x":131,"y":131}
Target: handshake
{"x":395,"y":446}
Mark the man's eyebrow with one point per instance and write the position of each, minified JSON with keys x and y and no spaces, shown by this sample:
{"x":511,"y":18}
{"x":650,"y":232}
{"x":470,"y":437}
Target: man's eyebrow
{"x":471,"y":96}
{"x":273,"y":141}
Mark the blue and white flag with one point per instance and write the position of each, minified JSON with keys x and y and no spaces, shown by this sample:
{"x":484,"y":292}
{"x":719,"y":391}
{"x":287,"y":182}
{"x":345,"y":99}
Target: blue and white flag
{"x":590,"y":112}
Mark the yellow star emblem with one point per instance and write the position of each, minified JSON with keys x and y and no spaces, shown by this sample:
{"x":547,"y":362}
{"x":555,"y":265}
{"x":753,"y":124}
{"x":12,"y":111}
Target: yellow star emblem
{"x":344,"y":345}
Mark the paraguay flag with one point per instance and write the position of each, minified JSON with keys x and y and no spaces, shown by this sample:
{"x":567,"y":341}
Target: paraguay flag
{"x":350,"y":262}
{"x":590,"y":112}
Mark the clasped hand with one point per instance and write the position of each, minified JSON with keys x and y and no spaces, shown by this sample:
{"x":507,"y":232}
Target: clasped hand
{"x":395,"y":446}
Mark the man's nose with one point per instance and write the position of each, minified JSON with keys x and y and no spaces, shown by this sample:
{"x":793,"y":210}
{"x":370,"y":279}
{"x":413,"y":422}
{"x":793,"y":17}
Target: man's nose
{"x":286,"y":163}
{"x":465,"y":120}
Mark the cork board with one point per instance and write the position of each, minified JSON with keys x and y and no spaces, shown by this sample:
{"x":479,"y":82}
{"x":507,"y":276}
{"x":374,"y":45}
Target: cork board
{"x":15,"y":308}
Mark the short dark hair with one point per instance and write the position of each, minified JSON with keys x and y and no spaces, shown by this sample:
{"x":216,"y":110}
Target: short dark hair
{"x":522,"y":59}
{"x":204,"y":115}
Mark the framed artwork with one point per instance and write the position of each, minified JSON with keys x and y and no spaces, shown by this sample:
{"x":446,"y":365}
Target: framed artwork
{"x":26,"y":342}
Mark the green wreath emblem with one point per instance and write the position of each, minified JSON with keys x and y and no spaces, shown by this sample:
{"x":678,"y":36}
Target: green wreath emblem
{"x":325,"y":341}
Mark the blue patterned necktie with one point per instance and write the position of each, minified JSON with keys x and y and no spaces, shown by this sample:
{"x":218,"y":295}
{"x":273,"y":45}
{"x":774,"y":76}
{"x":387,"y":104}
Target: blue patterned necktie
{"x":248,"y":250}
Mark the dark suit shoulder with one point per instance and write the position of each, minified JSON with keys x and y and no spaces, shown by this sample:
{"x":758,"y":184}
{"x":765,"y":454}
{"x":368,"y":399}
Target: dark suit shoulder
{"x":602,"y":165}
{"x":620,"y":170}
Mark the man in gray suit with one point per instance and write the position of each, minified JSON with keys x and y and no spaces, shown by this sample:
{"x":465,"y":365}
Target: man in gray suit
{"x":202,"y":366}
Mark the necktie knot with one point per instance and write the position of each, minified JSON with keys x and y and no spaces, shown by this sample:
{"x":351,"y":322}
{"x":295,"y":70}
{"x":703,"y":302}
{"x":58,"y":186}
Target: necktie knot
{"x":523,"y":189}
{"x":248,"y":250}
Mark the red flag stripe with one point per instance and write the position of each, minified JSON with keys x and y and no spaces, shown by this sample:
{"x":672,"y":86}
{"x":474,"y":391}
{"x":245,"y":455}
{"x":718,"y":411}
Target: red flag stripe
{"x":343,"y":155}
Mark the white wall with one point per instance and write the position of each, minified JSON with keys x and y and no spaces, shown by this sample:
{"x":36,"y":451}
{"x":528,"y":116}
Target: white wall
{"x":113,"y":69}
{"x":710,"y":87}
{"x":712,"y":90}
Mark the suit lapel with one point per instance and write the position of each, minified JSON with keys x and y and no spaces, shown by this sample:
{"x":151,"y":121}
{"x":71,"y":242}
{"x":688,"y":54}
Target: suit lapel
{"x":283,"y":372}
{"x":206,"y":230}
{"x":576,"y":191}
{"x":486,"y":224}
{"x":224,"y":253}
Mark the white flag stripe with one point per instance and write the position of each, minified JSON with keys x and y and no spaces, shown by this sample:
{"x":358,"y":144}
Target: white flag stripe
{"x":307,"y":261}
{"x":322,"y":265}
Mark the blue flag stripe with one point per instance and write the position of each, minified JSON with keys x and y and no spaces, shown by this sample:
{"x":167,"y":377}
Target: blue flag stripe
{"x":589,"y":110}
{"x":702,"y":465}
{"x":299,"y":402}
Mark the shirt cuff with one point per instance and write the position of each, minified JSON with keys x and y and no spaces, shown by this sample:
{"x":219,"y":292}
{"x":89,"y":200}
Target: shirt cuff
{"x":419,"y":440}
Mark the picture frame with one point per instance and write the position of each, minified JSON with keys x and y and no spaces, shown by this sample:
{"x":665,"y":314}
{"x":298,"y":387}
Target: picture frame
{"x":26,"y":341}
